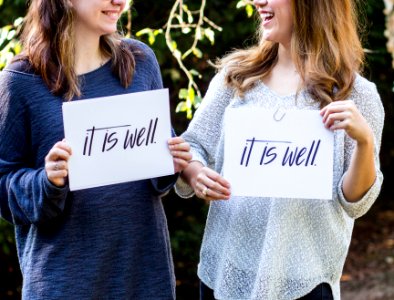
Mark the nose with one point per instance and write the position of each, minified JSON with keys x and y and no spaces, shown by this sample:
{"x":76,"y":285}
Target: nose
{"x":259,"y":2}
{"x":118,"y":2}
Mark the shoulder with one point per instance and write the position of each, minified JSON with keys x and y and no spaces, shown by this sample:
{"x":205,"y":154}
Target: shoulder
{"x":139,"y":49}
{"x":16,"y":75}
{"x":366,"y":96}
{"x":20,"y":66}
{"x":363,"y":85}
{"x":18,"y":83}
{"x":218,"y":83}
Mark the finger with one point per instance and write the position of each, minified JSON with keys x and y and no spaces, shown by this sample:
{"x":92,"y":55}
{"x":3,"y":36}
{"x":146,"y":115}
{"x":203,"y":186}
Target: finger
{"x":182,"y":155}
{"x":345,"y":124}
{"x":57,"y":154}
{"x":214,"y":176}
{"x":180,"y":164}
{"x":331,"y":110}
{"x":215,"y":186}
{"x":338,"y":106}
{"x":336,"y":117}
{"x":64,"y":146}
{"x":175,"y":140}
{"x":58,"y":165}
{"x":57,"y":174}
{"x":206,"y":193}
{"x":212,"y":196}
{"x":179,"y":145}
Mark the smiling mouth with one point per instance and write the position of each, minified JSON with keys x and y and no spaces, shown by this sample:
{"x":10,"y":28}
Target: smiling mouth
{"x":266,"y":16}
{"x":111,"y":14}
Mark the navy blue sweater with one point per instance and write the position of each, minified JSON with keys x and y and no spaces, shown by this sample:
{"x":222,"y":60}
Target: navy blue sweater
{"x":109,"y":242}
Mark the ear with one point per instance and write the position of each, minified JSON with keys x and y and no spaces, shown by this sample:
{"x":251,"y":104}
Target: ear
{"x":69,"y":3}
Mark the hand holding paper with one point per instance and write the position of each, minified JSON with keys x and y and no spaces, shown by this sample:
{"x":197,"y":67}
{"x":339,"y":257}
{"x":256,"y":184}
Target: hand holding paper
{"x":56,"y":163}
{"x":180,"y":151}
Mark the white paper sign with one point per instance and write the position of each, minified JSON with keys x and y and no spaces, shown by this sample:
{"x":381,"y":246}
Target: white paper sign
{"x":118,"y":139}
{"x":290,"y":158}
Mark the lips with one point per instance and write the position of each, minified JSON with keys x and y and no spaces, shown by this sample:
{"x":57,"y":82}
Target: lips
{"x":266,"y":16}
{"x":112,"y":14}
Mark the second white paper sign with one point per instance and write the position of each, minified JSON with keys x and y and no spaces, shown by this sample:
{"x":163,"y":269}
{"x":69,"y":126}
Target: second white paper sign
{"x":290,"y":158}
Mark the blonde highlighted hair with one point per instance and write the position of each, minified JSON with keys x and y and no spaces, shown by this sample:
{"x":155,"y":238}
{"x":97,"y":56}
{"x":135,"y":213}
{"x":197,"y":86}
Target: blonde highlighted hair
{"x":48,"y":46}
{"x":325,"y":48}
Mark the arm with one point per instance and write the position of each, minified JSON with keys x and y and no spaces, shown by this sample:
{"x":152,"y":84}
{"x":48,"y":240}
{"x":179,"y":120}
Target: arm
{"x":362,"y":119}
{"x":361,"y":173}
{"x":206,"y":183}
{"x":203,"y":134}
{"x":26,"y":194}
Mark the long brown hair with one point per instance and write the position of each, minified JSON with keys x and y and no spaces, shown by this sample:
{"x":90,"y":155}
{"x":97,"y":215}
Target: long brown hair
{"x":325,"y":47}
{"x":48,"y":45}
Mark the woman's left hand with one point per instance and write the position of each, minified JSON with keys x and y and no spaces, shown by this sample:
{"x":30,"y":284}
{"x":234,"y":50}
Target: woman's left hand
{"x":345,"y":115}
{"x":180,"y":151}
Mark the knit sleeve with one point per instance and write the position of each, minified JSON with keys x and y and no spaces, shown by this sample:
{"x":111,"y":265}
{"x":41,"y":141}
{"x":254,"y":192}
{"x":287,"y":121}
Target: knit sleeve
{"x":204,"y":131}
{"x":368,"y":102}
{"x":26,"y":195}
{"x":162,"y":185}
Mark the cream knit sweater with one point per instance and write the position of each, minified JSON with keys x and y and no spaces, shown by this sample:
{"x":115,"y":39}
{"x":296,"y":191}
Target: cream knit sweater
{"x":270,"y":248}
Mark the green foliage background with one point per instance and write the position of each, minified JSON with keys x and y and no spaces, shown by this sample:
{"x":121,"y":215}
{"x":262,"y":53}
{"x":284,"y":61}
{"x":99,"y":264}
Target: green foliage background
{"x":186,"y":218}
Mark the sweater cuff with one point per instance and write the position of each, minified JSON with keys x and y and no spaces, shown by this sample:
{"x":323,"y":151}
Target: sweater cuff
{"x":162,"y":185}
{"x":182,"y":188}
{"x":359,"y":208}
{"x":52,"y":191}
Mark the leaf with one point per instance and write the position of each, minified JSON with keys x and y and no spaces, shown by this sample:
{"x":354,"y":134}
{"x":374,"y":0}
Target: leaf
{"x":197,"y":52}
{"x":11,"y":35}
{"x":18,"y":21}
{"x":173,"y":46}
{"x":186,"y":30}
{"x":157,"y":32}
{"x":210,"y":34}
{"x":144,"y":31}
{"x":175,"y":74}
{"x":199,"y":35}
{"x":249,"y":10}
{"x":3,"y":35}
{"x":183,"y":94}
{"x":240,"y":4}
{"x":191,"y":95}
{"x":17,"y":48}
{"x":197,"y":102}
{"x":181,"y":107}
{"x":151,"y":39}
{"x":194,"y":72}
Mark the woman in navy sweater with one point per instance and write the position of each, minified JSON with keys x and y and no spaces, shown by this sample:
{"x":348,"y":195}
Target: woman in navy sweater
{"x":108,"y":242}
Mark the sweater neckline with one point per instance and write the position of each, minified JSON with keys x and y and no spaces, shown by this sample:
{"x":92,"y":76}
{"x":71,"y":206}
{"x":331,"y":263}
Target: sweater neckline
{"x":278,"y":96}
{"x":95,"y":71}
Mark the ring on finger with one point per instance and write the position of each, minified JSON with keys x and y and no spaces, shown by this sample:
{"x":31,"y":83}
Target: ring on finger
{"x":56,"y":167}
{"x":205,"y":191}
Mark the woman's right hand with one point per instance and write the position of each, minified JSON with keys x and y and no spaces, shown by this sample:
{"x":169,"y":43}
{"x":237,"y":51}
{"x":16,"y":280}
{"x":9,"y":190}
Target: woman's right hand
{"x":207,"y":183}
{"x":56,"y":163}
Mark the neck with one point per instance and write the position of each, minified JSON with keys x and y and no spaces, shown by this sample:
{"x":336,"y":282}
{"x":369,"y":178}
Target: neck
{"x":285,"y":60}
{"x":283,"y":79}
{"x":88,"y":55}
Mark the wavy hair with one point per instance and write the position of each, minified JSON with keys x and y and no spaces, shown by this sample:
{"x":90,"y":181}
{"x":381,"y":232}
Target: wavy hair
{"x":325,"y":48}
{"x":48,"y":44}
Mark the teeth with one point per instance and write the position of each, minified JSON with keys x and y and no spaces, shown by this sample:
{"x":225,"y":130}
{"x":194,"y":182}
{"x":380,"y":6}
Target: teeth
{"x":111,"y":14}
{"x":267,"y":15}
